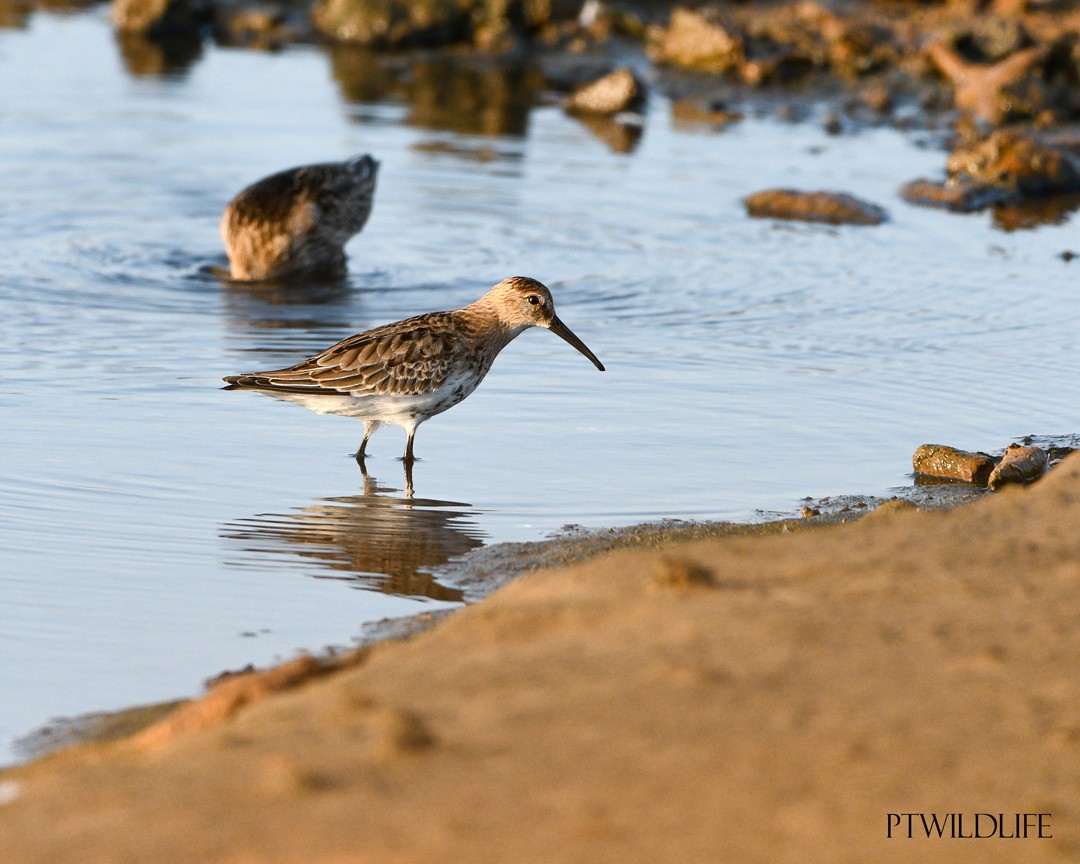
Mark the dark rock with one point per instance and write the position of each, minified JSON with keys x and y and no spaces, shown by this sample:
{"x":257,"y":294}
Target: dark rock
{"x":172,"y":54}
{"x":960,"y":196}
{"x":15,"y":14}
{"x":160,"y":18}
{"x":394,"y":23}
{"x":1020,"y":464}
{"x":1020,"y":162}
{"x":262,"y":27}
{"x":1029,"y":179}
{"x":405,"y":23}
{"x":774,"y":44}
{"x":835,"y":208}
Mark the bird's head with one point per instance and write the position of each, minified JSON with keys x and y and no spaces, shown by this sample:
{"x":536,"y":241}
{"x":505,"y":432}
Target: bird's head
{"x":521,"y":302}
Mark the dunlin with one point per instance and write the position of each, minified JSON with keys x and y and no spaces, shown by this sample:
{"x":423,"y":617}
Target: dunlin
{"x":297,"y":222}
{"x":406,"y":372}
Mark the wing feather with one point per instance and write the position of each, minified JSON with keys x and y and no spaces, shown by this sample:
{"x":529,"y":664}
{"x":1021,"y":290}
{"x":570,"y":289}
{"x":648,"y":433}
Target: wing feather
{"x":408,"y":358}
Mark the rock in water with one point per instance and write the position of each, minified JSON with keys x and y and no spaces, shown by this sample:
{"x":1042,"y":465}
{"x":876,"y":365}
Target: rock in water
{"x":938,"y":460}
{"x":617,"y":91}
{"x":835,"y":208}
{"x":1019,"y":465}
{"x":159,"y":18}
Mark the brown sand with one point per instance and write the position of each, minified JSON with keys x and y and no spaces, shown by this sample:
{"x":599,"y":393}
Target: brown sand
{"x":763,"y":699}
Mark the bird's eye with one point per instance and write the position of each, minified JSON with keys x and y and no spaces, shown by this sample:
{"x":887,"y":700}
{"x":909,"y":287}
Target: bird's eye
{"x":533,"y":300}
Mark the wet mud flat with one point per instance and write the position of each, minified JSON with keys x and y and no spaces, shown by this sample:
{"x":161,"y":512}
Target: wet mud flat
{"x":814,"y":676}
{"x":473,"y":577}
{"x":479,"y":573}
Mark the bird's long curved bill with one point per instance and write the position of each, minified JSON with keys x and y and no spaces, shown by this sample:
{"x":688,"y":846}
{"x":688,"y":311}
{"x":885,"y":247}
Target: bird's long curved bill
{"x":564,"y":332}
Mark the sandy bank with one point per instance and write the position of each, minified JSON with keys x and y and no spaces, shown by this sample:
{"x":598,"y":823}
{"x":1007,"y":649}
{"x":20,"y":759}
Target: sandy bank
{"x":764,"y":698}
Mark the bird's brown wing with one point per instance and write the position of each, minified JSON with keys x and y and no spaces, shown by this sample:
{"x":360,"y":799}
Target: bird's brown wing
{"x":408,"y":358}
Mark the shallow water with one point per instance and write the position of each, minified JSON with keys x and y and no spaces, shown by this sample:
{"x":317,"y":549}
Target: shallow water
{"x":155,"y":529}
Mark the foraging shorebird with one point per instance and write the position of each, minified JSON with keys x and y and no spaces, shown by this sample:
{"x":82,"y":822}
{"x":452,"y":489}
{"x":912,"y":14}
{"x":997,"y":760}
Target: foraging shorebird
{"x":297,"y":222}
{"x":406,"y":372}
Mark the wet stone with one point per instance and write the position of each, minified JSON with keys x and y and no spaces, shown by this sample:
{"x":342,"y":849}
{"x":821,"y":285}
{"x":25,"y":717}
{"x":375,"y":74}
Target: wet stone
{"x":960,"y":196}
{"x":941,"y":461}
{"x":834,"y":208}
{"x":429,"y":23}
{"x":152,"y":55}
{"x":159,"y":17}
{"x":260,"y":27}
{"x":696,"y":40}
{"x":616,"y":92}
{"x":392,"y":23}
{"x":1020,"y":162}
{"x":1019,"y":464}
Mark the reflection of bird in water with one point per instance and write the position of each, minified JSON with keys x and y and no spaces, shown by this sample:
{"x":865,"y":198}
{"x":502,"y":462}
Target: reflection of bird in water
{"x":387,"y":543}
{"x":258,"y":308}
{"x":297,"y":222}
{"x":406,"y":372}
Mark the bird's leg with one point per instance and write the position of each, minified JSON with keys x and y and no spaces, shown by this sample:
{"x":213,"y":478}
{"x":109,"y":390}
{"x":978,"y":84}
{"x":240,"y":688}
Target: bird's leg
{"x":408,"y":459}
{"x":369,"y":427}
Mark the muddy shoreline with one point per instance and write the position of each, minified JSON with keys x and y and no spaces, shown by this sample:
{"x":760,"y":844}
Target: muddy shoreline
{"x":483,"y":571}
{"x":641,"y":705}
{"x":480,"y":573}
{"x":993,"y":84}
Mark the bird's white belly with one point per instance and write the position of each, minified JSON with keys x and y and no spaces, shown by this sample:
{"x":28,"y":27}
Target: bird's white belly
{"x":397,"y":410}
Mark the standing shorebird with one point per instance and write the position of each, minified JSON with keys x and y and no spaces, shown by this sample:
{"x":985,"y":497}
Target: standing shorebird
{"x":297,"y":222}
{"x":406,"y":372}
